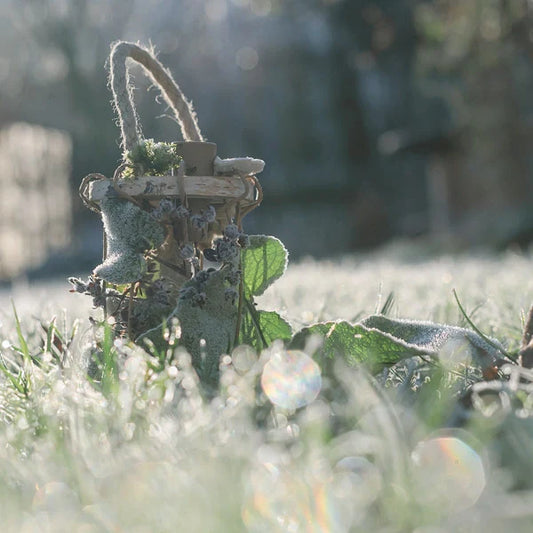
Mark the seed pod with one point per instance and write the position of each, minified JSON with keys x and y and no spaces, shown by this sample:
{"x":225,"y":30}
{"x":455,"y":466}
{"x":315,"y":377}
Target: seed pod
{"x":166,"y":205}
{"x":198,"y":222}
{"x":187,"y":251}
{"x":244,"y":240}
{"x":210,"y":214}
{"x":231,"y":232}
{"x":231,"y":295}
{"x":233,"y":277}
{"x":181,"y":212}
{"x":227,"y":251}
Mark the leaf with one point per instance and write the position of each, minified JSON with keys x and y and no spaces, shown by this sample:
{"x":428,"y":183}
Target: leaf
{"x":264,"y":260}
{"x":378,"y":341}
{"x":356,"y":344}
{"x":260,"y":328}
{"x":431,"y":337}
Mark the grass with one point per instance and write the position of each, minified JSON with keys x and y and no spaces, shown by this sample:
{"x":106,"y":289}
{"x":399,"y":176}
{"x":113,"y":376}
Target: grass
{"x":99,"y":435}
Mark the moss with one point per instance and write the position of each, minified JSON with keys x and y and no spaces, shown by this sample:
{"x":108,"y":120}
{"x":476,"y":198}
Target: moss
{"x":130,"y":232}
{"x":205,"y":312}
{"x":149,"y":158}
{"x":149,"y":313}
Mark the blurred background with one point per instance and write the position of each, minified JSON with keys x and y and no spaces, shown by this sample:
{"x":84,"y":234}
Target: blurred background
{"x":377,"y":119}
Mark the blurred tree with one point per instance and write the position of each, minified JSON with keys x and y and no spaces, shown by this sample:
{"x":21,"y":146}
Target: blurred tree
{"x":314,"y":87}
{"x":478,"y":55}
{"x":60,"y":48}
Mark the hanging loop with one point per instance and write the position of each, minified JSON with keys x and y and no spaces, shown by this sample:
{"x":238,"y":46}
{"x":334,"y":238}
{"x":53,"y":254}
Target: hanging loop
{"x":123,"y":97}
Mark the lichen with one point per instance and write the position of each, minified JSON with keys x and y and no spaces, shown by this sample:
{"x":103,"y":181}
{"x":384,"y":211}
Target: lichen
{"x":207,"y":314}
{"x":130,"y":232}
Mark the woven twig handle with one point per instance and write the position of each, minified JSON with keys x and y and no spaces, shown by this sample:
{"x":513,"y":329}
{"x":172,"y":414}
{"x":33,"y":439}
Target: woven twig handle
{"x":122,"y":94}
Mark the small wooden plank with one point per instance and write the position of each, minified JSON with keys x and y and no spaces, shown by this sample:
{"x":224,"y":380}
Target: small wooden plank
{"x":222,"y":187}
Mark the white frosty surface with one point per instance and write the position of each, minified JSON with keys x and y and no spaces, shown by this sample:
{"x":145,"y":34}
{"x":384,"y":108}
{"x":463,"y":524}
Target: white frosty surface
{"x":43,"y":299}
{"x":244,"y":165}
{"x":494,"y":290}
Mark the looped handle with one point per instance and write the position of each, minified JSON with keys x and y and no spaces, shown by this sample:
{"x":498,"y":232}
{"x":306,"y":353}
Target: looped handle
{"x":122,"y":94}
{"x":84,"y":191}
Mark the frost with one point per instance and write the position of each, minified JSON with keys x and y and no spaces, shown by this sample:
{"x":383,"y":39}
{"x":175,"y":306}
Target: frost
{"x":378,"y":341}
{"x":130,"y":231}
{"x":213,"y":320}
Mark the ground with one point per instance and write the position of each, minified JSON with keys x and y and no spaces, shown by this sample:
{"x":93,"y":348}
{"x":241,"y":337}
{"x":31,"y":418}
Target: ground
{"x":141,"y":450}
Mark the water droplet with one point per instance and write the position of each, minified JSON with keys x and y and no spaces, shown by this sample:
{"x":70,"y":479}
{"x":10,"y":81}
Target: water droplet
{"x":118,"y":343}
{"x":291,"y":379}
{"x":22,"y":423}
{"x":172,"y":372}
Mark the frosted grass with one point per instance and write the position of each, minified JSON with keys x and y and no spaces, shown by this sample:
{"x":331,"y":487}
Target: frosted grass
{"x":150,"y":453}
{"x":495,"y":291}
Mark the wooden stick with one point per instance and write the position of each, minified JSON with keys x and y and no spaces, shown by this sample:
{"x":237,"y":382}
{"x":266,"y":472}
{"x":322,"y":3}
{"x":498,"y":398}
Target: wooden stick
{"x":203,"y":187}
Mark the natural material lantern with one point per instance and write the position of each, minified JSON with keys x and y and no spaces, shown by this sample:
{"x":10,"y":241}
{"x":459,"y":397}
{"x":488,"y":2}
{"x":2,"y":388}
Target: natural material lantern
{"x":164,"y":205}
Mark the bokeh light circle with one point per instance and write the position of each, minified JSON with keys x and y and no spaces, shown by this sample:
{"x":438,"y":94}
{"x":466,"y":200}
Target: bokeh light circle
{"x":243,"y":358}
{"x":285,"y":498}
{"x":291,"y":379}
{"x":448,"y":473}
{"x":247,"y":58}
{"x":456,"y":353}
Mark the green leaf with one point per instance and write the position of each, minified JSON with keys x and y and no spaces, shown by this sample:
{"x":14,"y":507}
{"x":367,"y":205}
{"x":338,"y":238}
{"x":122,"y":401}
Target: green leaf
{"x":260,"y":328}
{"x":378,"y":341}
{"x":264,"y":260}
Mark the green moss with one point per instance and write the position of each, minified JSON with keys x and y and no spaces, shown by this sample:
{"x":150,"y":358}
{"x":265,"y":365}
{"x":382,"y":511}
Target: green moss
{"x":149,"y":158}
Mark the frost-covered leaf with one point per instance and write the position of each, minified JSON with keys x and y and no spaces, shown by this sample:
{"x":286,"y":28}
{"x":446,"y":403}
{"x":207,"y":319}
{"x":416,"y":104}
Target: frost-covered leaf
{"x":264,"y":260}
{"x":356,"y":344}
{"x":260,"y":328}
{"x":431,"y":337}
{"x":378,"y":341}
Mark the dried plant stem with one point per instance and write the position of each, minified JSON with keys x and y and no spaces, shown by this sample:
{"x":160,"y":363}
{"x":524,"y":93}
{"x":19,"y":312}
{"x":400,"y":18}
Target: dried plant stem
{"x":239,"y":305}
{"x":130,"y":310}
